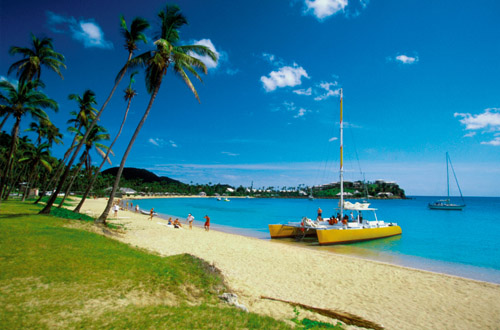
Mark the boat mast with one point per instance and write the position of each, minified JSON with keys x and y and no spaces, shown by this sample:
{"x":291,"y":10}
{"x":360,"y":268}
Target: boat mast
{"x":447,"y":177}
{"x":341,"y":160}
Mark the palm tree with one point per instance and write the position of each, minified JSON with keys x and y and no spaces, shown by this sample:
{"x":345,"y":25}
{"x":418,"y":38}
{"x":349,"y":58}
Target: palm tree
{"x":85,"y":113}
{"x":40,"y":54}
{"x":132,"y":37}
{"x":94,"y":138}
{"x":39,"y":155}
{"x":45,"y":130}
{"x":129,"y":95}
{"x":23,"y":100}
{"x":156,"y":63}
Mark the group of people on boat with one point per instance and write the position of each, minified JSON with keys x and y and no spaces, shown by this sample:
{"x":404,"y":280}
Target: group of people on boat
{"x":339,"y":218}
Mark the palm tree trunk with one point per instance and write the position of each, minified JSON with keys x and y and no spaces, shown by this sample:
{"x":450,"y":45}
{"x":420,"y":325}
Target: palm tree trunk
{"x":91,"y":183}
{"x":68,"y":189}
{"x":10,"y":157}
{"x":52,"y":199}
{"x":28,"y":183}
{"x":56,"y":175}
{"x":102,"y":218}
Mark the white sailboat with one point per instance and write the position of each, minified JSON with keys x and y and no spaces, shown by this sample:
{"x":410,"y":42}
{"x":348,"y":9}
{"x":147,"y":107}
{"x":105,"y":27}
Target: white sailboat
{"x":446,"y":204}
{"x":345,"y":228}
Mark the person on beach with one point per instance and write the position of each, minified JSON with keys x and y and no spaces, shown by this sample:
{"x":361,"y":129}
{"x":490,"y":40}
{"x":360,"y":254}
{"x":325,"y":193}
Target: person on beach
{"x":127,"y":205}
{"x":136,"y":208}
{"x":207,"y":223}
{"x":320,"y":213}
{"x":190,"y":219}
{"x":151,"y":213}
{"x":116,"y":208}
{"x":170,"y":221}
{"x":177,"y":224}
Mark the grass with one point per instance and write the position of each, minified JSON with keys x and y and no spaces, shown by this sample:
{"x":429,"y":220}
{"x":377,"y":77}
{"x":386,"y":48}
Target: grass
{"x":56,"y":277}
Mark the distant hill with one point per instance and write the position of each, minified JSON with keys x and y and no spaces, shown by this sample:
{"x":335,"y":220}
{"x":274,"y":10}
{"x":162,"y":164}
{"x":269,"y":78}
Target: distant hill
{"x":131,"y":173}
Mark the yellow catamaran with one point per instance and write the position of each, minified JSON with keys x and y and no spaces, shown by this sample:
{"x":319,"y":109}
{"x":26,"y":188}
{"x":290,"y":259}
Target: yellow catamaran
{"x":348,"y":226}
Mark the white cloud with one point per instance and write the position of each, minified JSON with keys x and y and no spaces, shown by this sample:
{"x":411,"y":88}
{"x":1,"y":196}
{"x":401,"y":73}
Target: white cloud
{"x":327,"y":86}
{"x":155,"y":141}
{"x":495,"y":142}
{"x":487,"y":122}
{"x":303,"y":91}
{"x":332,"y":139}
{"x":268,"y":57}
{"x":406,"y":59}
{"x":301,"y":113}
{"x":489,"y":119}
{"x":173,"y":144}
{"x":324,"y":8}
{"x":229,"y":153}
{"x":285,"y":76}
{"x":211,"y":64}
{"x":86,"y":31}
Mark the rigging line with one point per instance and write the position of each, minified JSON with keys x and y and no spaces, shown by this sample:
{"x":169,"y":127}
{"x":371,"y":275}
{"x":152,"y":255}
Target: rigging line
{"x":456,"y":180}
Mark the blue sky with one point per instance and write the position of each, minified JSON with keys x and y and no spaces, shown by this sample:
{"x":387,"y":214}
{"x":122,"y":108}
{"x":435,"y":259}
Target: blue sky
{"x":419,"y":78}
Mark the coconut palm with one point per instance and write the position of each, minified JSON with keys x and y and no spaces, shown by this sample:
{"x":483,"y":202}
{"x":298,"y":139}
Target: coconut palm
{"x":132,"y":37}
{"x":94,"y":138}
{"x":45,"y":130}
{"x":22,"y":100}
{"x":40,"y":54}
{"x":156,"y":62}
{"x":39,"y":155}
{"x":129,"y":95}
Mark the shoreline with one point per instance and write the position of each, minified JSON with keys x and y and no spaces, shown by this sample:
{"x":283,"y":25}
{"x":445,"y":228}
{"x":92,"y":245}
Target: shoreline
{"x":472,"y":272}
{"x":397,"y":297}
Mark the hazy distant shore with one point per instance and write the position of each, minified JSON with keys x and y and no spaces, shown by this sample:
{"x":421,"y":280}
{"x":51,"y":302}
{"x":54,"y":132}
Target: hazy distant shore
{"x":397,"y":297}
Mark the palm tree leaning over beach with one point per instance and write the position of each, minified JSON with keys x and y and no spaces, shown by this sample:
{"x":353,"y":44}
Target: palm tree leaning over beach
{"x":41,"y":53}
{"x":129,"y":95}
{"x":22,"y":100}
{"x":156,"y":63}
{"x":94,"y":138}
{"x":132,"y":37}
{"x":86,"y":112}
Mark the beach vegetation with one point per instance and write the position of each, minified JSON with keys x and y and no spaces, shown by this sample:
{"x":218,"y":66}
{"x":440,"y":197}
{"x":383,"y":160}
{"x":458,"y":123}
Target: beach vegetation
{"x":21,"y":100}
{"x":57,"y":275}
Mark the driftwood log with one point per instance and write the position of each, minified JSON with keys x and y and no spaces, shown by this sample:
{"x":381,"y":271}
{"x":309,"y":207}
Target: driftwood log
{"x":345,"y":317}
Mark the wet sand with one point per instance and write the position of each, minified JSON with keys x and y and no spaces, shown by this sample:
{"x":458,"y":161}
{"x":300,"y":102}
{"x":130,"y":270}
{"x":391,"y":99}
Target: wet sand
{"x":394,"y":296}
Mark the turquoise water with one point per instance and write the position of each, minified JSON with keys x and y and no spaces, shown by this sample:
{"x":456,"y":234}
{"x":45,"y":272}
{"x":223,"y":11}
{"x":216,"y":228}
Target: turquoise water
{"x":463,"y":243}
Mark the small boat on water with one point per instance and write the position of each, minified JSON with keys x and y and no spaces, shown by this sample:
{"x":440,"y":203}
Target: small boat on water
{"x":344,"y":228}
{"x":148,"y":212}
{"x":446,"y":204}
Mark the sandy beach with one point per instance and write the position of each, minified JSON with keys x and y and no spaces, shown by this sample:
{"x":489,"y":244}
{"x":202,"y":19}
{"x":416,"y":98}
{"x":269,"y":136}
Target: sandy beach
{"x":393,"y":296}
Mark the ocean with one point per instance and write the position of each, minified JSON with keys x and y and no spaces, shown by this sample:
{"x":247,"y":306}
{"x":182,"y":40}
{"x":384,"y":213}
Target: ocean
{"x":461,"y":243}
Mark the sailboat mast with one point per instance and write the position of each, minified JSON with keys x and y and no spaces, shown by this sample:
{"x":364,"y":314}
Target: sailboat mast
{"x":447,"y":177}
{"x":341,"y":159}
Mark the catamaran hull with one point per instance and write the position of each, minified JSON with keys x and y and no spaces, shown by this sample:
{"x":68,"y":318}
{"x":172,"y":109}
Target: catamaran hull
{"x":340,"y":236}
{"x":283,"y":231}
{"x":447,"y":207}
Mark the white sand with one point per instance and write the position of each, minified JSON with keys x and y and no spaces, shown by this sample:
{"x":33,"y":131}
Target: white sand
{"x":394,"y":296}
